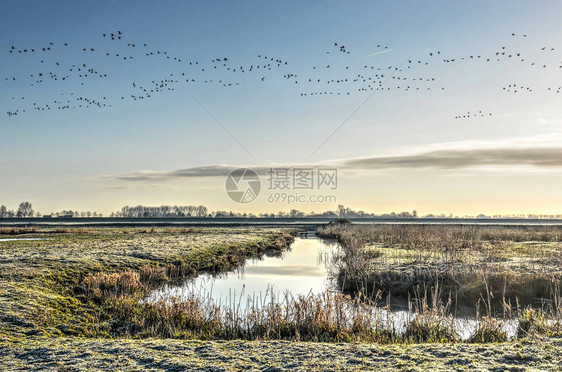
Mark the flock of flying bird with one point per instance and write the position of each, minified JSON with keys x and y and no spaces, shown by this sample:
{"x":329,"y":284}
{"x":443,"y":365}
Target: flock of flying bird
{"x":340,"y":76}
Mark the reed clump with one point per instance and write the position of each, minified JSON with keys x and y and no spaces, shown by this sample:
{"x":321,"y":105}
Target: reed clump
{"x":532,"y":323}
{"x":489,"y":329}
{"x":543,"y":321}
{"x":326,"y":317}
{"x":154,"y":274}
{"x":171,"y":230}
{"x":428,"y":327}
{"x":116,"y":285}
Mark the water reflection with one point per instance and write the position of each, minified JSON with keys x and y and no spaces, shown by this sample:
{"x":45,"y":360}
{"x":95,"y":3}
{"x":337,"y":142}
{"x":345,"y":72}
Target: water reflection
{"x":300,"y":271}
{"x":277,"y":279}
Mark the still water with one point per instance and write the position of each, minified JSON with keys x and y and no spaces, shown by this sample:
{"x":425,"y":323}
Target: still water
{"x":299,"y":271}
{"x":302,"y":270}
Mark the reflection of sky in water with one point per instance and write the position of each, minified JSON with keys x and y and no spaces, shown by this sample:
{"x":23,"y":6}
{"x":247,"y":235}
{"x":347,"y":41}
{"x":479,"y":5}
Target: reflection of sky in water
{"x":299,"y":271}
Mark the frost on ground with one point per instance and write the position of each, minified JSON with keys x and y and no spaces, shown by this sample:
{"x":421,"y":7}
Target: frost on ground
{"x":80,"y":354}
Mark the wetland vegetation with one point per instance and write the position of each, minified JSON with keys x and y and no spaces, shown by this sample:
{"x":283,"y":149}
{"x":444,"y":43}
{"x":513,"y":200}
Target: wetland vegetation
{"x":491,"y":271}
{"x":87,"y":287}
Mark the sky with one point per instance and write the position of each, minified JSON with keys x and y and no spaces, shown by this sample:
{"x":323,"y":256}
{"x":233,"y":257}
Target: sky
{"x":398,"y":143}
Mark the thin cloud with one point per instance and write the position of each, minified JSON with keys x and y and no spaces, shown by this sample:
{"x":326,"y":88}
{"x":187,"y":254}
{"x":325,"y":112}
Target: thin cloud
{"x":464,"y":158}
{"x":546,"y":157}
{"x":381,"y":52}
{"x":216,"y":170}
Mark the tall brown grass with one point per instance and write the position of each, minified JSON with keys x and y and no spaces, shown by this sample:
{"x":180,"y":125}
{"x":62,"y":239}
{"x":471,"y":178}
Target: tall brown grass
{"x":464,"y":259}
{"x":326,"y":317}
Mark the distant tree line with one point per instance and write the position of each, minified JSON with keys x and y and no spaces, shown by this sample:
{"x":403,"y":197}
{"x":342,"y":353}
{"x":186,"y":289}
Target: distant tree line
{"x":25,"y":210}
{"x":163,"y":211}
{"x":71,"y":213}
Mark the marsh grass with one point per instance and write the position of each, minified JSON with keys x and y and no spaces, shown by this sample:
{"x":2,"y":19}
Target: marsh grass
{"x":433,"y":320}
{"x":326,"y":317}
{"x":543,"y":321}
{"x":95,"y":284}
{"x":17,"y":231}
{"x":489,"y":329}
{"x":513,"y":262}
{"x":115,"y":285}
{"x":504,"y":273}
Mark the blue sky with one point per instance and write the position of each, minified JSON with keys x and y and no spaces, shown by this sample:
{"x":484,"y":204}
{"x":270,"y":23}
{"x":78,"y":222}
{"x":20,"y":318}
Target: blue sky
{"x":61,"y":159}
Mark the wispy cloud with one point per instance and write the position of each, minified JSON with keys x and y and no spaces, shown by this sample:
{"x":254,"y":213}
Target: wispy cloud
{"x":458,"y":159}
{"x":534,"y":152}
{"x":215,"y":170}
{"x":381,"y":52}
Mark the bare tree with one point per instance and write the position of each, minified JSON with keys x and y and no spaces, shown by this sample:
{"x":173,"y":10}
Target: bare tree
{"x":201,"y":211}
{"x":25,"y":210}
{"x":3,"y":211}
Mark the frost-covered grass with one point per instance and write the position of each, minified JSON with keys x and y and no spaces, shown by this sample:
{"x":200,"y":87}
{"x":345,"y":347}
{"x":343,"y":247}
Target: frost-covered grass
{"x":85,"y":354}
{"x":42,"y":282}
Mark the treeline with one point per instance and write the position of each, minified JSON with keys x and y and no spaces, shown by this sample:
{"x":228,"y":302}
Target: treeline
{"x":71,"y":213}
{"x":169,"y":211}
{"x":162,"y":211}
{"x":25,"y":210}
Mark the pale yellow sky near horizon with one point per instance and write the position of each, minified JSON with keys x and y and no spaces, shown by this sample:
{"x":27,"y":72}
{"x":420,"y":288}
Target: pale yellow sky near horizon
{"x":462,"y":178}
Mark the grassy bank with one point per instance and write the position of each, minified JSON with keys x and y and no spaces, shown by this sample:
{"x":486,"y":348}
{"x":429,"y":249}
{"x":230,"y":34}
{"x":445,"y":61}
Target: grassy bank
{"x":87,"y":282}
